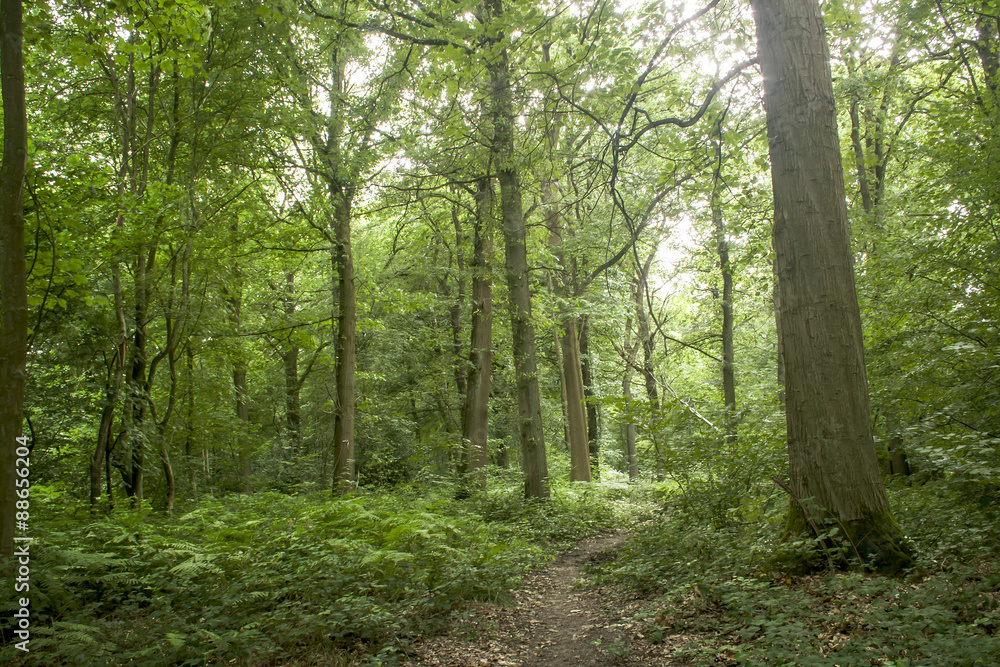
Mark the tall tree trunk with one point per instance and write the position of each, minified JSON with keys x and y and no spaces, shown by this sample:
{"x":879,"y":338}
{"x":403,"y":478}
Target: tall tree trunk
{"x":290,"y":360}
{"x":646,"y":341}
{"x":830,"y":447}
{"x":137,"y":387}
{"x":529,"y":406}
{"x":341,"y":193}
{"x":586,"y":372}
{"x":343,"y":432}
{"x":569,"y":340}
{"x":575,"y":411}
{"x":475,"y":412}
{"x":242,"y":408}
{"x":631,"y":455}
{"x":13,"y":279}
{"x":189,"y":443}
{"x":112,"y":391}
{"x":455,"y":309}
{"x":722,"y":248}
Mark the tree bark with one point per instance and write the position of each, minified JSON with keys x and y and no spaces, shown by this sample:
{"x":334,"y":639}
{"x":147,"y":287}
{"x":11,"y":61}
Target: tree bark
{"x":830,"y":447}
{"x":475,"y":412}
{"x":290,"y":361}
{"x":569,"y":340}
{"x":13,"y":279}
{"x":646,"y":341}
{"x":532,"y":436}
{"x":242,"y":409}
{"x":722,"y":248}
{"x":455,"y":309}
{"x":343,"y":432}
{"x":593,"y":424}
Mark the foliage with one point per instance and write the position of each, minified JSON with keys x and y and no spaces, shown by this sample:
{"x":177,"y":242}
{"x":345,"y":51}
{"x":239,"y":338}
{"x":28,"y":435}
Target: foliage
{"x":276,"y":578}
{"x":722,"y":596}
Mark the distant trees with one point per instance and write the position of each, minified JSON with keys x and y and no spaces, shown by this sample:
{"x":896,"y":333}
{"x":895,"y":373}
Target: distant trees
{"x":261,"y":245}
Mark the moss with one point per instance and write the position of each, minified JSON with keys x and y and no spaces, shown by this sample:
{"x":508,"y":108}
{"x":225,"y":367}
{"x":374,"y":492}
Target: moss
{"x":876,"y":540}
{"x":879,"y":541}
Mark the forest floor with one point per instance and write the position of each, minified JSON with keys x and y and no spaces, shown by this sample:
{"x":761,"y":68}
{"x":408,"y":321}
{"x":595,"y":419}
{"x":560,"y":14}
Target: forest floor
{"x":554,"y":619}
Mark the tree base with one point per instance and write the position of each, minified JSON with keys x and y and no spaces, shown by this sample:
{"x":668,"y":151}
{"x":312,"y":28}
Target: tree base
{"x":876,"y":541}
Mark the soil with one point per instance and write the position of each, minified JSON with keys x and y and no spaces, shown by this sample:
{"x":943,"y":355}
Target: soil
{"x":555,"y":620}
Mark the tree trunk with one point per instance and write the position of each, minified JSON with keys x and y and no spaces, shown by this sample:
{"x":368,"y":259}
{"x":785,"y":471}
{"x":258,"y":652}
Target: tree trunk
{"x":475,"y":412}
{"x":290,"y":360}
{"x":522,"y":327}
{"x":343,"y":432}
{"x":242,"y":408}
{"x":722,"y":248}
{"x":593,"y":425}
{"x":631,"y":456}
{"x":13,"y":293}
{"x":137,"y":387}
{"x":189,"y":444}
{"x":455,"y":309}
{"x":646,"y":341}
{"x":830,"y":447}
{"x":569,"y":341}
{"x":575,"y":411}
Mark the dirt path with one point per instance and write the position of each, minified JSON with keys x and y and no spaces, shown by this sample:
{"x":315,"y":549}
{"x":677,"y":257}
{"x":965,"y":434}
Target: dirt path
{"x":555,"y":622}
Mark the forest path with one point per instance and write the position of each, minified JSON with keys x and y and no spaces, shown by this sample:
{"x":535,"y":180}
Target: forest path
{"x":555,"y":622}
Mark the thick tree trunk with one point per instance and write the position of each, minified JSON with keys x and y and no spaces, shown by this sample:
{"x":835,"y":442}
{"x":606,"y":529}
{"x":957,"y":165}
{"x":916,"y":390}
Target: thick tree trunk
{"x":13,"y":281}
{"x":830,"y":448}
{"x":529,"y":405}
{"x":475,"y":412}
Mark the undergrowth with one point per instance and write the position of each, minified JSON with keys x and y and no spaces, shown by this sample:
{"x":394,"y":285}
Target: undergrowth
{"x":723,"y":594}
{"x":272,"y":579}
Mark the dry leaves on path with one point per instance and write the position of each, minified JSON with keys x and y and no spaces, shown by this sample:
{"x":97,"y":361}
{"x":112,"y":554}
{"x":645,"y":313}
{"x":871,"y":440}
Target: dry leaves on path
{"x":555,"y":621}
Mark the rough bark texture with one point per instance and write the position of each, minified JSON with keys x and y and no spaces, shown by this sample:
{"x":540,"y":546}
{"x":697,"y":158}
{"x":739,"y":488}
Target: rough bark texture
{"x":475,"y":412}
{"x":830,"y":447}
{"x":13,"y":287}
{"x":522,"y":327}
